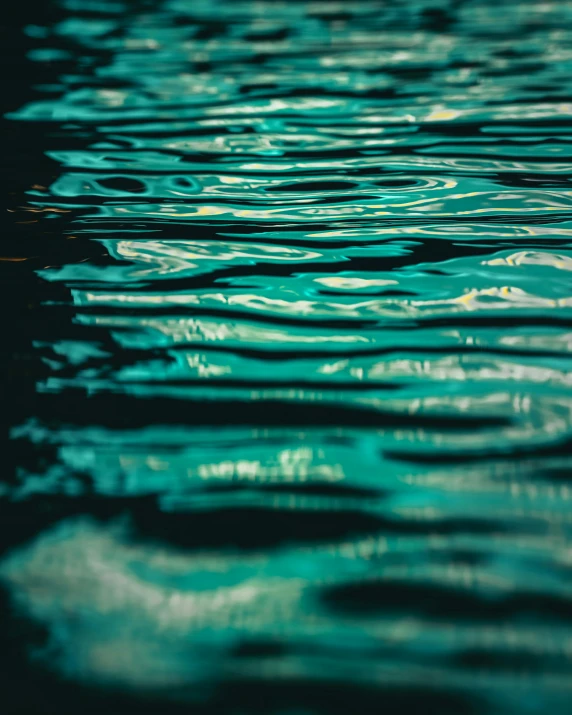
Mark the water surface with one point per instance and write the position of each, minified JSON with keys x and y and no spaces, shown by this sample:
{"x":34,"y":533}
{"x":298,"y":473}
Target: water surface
{"x":287,"y":357}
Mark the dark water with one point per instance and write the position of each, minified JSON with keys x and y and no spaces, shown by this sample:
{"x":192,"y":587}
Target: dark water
{"x":288,"y":317}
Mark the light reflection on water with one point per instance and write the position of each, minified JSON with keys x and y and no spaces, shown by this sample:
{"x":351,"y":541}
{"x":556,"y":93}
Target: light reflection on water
{"x":291,"y":358}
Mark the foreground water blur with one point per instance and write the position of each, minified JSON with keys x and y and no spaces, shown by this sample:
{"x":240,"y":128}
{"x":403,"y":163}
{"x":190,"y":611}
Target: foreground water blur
{"x":287,"y":357}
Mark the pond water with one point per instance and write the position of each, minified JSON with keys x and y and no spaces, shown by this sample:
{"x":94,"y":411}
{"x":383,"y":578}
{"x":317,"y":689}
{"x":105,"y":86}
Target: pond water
{"x":288,"y":381}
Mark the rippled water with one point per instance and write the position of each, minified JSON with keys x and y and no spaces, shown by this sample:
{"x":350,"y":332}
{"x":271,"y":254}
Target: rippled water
{"x":288,"y":373}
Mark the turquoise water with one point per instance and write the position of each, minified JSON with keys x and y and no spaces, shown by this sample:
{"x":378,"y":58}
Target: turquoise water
{"x":288,"y":358}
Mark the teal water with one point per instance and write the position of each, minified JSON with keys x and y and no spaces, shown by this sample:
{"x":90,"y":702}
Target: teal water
{"x":288,"y":369}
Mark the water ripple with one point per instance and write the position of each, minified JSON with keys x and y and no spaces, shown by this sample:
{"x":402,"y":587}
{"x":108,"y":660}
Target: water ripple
{"x":288,"y":357}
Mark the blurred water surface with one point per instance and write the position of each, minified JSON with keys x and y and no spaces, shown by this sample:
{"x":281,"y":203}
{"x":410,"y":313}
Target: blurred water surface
{"x":287,"y":357}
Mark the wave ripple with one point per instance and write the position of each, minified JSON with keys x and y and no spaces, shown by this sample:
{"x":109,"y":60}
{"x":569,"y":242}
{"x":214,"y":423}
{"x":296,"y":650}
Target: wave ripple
{"x":288,"y":359}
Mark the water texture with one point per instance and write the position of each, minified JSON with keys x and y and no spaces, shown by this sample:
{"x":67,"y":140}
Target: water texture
{"x":287,"y":366}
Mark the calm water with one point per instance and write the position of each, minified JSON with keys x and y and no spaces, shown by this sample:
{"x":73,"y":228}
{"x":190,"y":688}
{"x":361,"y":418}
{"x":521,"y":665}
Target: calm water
{"x":288,"y":303}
